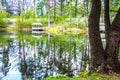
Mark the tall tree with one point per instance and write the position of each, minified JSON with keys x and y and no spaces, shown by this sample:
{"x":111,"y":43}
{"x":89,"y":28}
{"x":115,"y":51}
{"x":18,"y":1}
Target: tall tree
{"x":112,"y":48}
{"x":97,"y":51}
{"x":109,"y":56}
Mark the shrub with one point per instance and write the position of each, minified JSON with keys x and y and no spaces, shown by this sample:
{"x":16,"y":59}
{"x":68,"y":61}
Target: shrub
{"x":44,"y":21}
{"x":25,"y":23}
{"x":28,"y":14}
{"x":80,"y":24}
{"x":58,"y":19}
{"x":3,"y":23}
{"x":3,"y":14}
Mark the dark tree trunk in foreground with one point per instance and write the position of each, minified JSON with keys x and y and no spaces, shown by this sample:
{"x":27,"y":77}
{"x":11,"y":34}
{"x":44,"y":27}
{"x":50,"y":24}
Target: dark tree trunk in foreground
{"x":112,"y":48}
{"x":109,"y":56}
{"x":107,"y":18}
{"x":97,"y":51}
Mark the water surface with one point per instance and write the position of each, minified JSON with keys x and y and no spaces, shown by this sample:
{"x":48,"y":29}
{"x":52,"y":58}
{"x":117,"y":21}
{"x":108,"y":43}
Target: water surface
{"x":36,"y":56}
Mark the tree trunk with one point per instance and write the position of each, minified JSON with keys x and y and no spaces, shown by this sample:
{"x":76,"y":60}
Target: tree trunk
{"x":109,"y":56}
{"x":97,"y":51}
{"x":76,"y":8}
{"x":112,"y":47}
{"x":107,"y":19}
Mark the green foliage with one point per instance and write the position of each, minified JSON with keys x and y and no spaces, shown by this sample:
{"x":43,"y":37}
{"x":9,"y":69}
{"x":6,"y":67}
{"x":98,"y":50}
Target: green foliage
{"x":69,"y":9}
{"x":113,"y":9}
{"x":4,"y":38}
{"x":81,"y":25}
{"x":59,"y":77}
{"x":26,"y":19}
{"x":3,"y":22}
{"x":58,"y":19}
{"x":40,"y":6}
{"x":14,"y":16}
{"x":24,"y":23}
{"x":76,"y":24}
{"x":93,"y":76}
{"x":28,"y":14}
{"x":61,"y":19}
{"x":97,"y":76}
{"x":84,"y":76}
{"x":44,"y":21}
{"x":4,"y":14}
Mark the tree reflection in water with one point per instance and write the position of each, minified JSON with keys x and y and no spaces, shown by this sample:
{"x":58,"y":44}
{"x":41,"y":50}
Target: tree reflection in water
{"x":44,"y":55}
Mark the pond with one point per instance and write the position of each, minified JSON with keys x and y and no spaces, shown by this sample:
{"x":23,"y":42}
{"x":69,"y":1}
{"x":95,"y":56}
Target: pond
{"x":36,"y":56}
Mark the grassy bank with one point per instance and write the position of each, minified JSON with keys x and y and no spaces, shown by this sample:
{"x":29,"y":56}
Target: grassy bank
{"x":55,"y":28}
{"x":83,"y":76}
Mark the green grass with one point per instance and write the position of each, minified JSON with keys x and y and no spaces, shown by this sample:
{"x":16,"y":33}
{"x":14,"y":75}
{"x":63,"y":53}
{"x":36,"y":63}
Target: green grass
{"x":84,"y":76}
